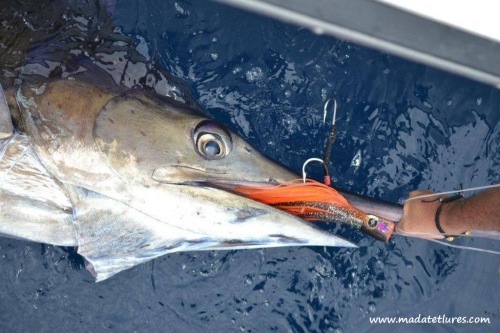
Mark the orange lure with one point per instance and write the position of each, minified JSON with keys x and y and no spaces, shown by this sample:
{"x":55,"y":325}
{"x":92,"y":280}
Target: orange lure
{"x":313,"y":200}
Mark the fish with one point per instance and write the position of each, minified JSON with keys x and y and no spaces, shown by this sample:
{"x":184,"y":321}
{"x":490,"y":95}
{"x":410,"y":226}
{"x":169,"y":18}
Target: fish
{"x":126,"y":176}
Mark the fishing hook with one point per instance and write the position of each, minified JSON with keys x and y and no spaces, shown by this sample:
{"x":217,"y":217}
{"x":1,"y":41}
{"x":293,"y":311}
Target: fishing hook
{"x":313,"y":159}
{"x":325,"y":111}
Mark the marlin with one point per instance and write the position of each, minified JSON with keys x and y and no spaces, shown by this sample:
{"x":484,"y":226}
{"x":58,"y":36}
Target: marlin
{"x":127,"y":176}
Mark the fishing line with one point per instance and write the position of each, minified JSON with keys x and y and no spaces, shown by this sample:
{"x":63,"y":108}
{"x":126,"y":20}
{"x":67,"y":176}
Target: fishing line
{"x":463,"y":247}
{"x":399,"y":232}
{"x":430,"y":195}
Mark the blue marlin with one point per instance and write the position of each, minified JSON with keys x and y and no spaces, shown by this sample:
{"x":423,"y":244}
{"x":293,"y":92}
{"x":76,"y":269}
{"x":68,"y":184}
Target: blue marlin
{"x":126,"y":176}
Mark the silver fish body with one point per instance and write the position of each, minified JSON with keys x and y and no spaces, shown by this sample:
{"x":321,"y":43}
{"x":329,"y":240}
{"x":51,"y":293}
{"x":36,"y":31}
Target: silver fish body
{"x":33,"y":204}
{"x":6,"y":127}
{"x":125,"y":177}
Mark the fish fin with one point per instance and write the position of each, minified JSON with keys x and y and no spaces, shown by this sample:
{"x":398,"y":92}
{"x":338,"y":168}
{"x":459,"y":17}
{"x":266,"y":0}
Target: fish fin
{"x":35,"y":221}
{"x":34,"y":205}
{"x":113,"y":237}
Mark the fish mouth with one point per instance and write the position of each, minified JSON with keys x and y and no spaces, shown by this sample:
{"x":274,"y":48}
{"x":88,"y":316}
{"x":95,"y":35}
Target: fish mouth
{"x":183,"y":174}
{"x":196,"y":176}
{"x":234,"y":186}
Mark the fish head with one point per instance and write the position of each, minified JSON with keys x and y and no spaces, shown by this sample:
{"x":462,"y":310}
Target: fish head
{"x":183,"y":165}
{"x":153,"y":140}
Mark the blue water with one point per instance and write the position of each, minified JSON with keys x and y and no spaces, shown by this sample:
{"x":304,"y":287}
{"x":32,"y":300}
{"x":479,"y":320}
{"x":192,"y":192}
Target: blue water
{"x":412,"y":127}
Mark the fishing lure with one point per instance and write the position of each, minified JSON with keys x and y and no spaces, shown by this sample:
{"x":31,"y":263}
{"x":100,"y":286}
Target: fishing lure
{"x":312,"y":200}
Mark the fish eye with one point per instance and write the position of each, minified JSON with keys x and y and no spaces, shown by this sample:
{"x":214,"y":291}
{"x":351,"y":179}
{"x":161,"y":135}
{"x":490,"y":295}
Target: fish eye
{"x":212,"y":141}
{"x":210,"y":146}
